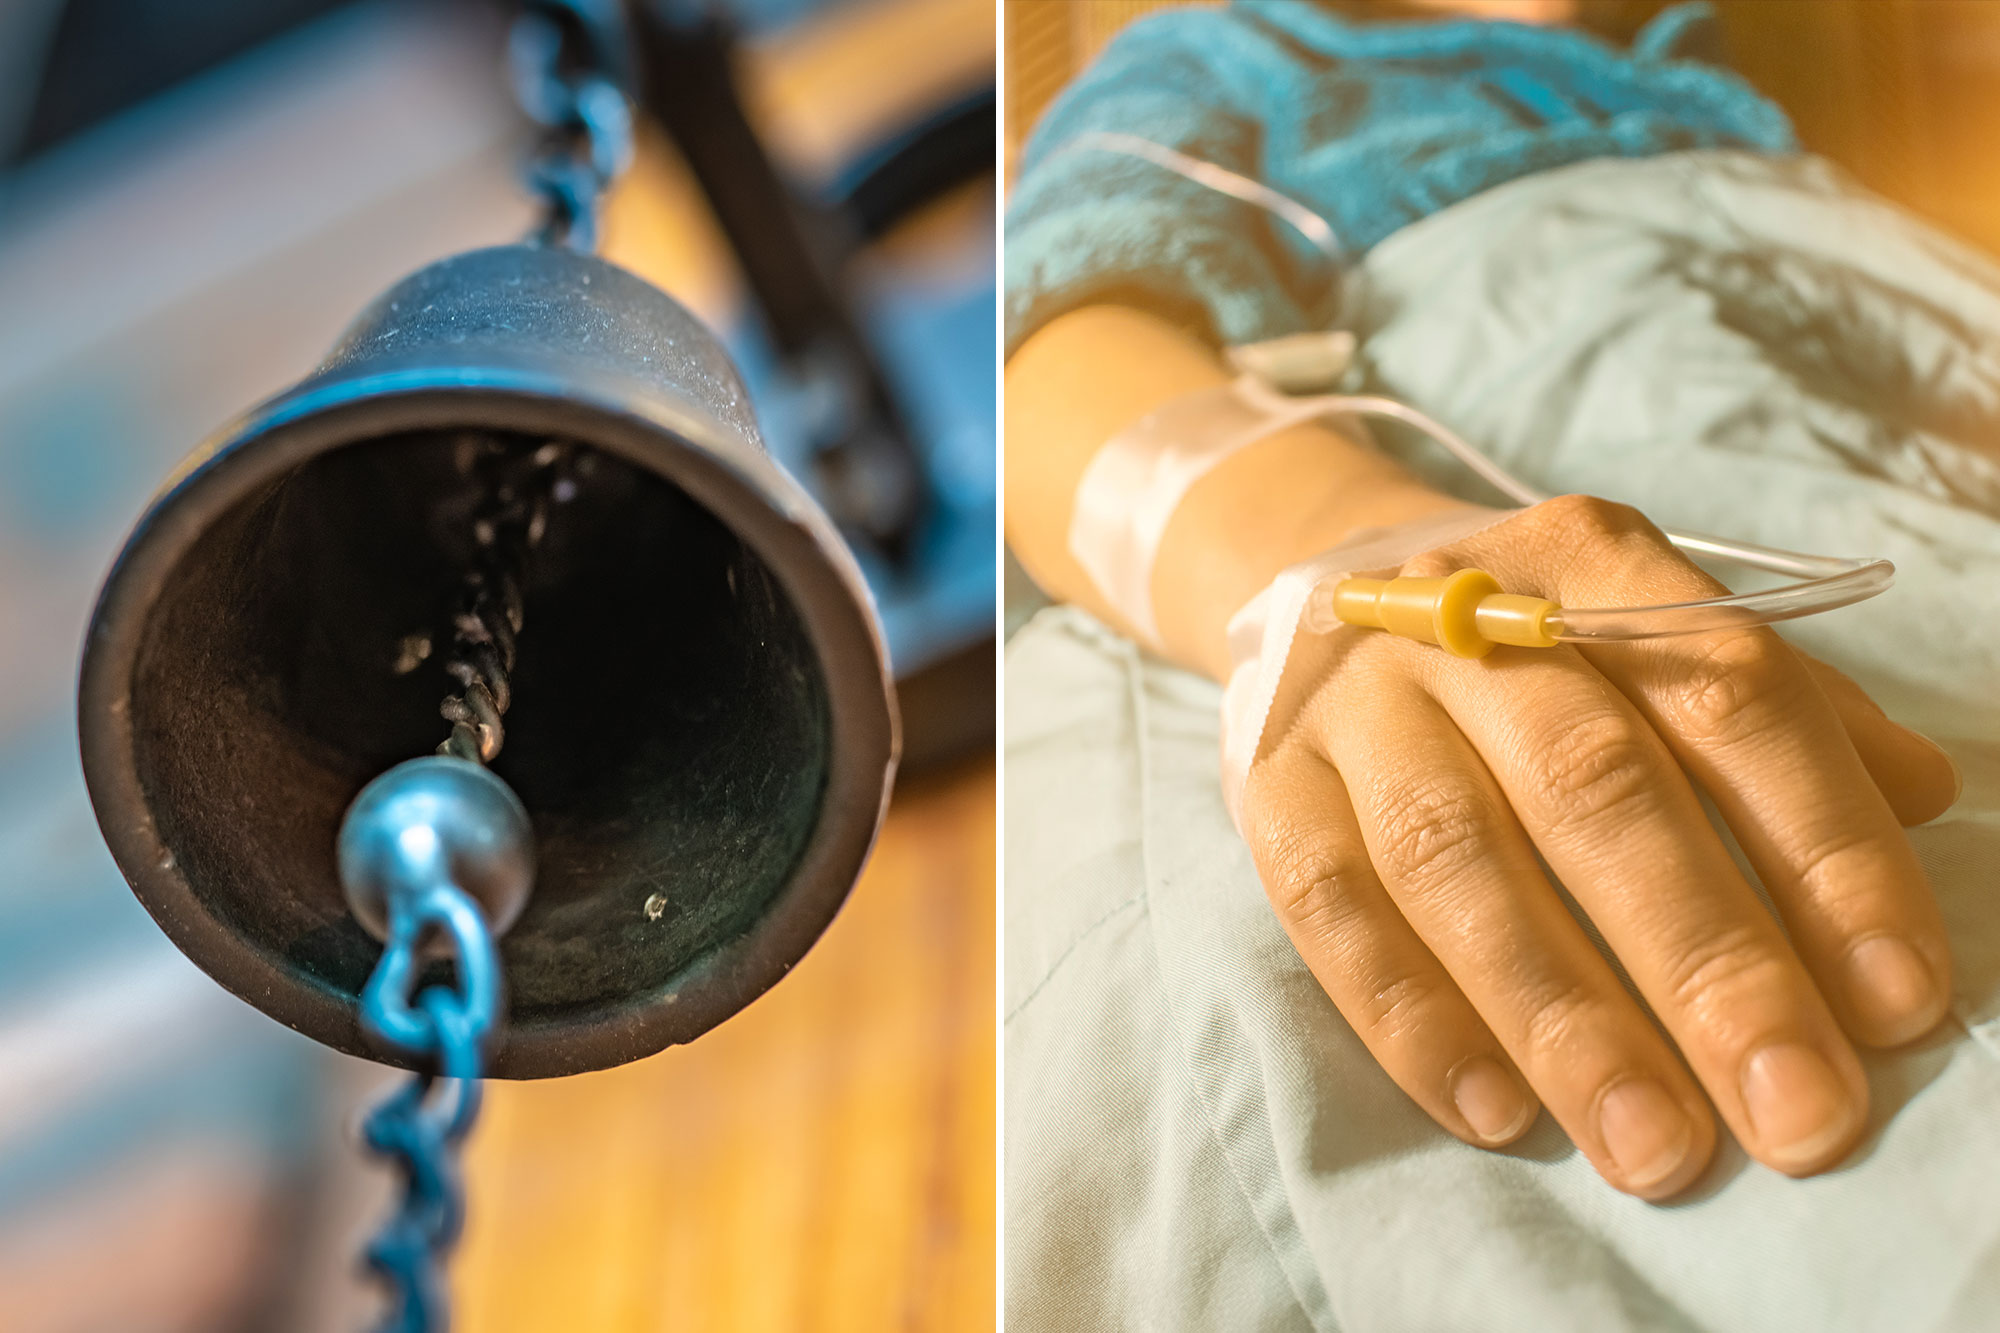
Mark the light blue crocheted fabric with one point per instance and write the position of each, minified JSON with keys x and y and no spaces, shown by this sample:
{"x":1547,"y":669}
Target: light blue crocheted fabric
{"x":1371,"y":125}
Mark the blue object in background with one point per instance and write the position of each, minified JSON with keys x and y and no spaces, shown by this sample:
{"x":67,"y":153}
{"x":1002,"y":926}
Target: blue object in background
{"x":935,"y":341}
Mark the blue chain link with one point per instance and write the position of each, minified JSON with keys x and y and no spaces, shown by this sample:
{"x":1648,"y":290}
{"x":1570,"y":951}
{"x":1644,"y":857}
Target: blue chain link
{"x":420,"y":1127}
{"x":569,"y":65}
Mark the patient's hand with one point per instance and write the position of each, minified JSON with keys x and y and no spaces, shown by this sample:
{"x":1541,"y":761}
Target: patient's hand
{"x":1399,"y":813}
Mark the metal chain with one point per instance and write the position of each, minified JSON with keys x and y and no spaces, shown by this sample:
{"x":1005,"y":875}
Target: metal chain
{"x":513,"y":513}
{"x":421,"y":1126}
{"x":568,"y":59}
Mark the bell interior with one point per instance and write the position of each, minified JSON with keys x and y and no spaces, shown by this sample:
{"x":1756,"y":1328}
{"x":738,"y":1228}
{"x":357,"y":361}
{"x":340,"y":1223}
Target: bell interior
{"x":668,"y":732}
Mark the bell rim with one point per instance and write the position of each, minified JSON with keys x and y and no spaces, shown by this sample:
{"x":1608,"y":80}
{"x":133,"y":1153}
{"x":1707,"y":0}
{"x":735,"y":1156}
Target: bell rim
{"x":761,"y":503}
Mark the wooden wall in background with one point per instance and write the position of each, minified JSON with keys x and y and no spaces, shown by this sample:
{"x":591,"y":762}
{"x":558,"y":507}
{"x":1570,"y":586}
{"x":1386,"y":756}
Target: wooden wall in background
{"x":1903,"y":93}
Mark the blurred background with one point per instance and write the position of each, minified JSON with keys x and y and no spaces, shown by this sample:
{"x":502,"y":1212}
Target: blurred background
{"x":1900,"y":92}
{"x":195,"y":197}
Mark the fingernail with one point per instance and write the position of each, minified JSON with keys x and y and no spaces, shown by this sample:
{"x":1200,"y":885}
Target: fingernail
{"x":1490,"y":1099}
{"x":1645,"y":1131}
{"x":1957,"y":774}
{"x":1894,"y":990}
{"x":1799,"y":1109}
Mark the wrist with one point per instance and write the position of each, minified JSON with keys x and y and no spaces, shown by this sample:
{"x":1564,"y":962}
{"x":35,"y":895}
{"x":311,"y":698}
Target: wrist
{"x":1276,"y":503}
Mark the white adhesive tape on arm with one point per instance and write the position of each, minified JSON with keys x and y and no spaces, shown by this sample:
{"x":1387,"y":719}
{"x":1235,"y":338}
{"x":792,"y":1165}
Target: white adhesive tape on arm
{"x":1262,"y":633}
{"x":1140,"y":476}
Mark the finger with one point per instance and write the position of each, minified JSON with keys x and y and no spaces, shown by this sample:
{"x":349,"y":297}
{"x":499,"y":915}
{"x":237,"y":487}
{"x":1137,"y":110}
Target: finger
{"x":1390,"y":988}
{"x":1913,"y":773}
{"x":1452,"y":858}
{"x":1602,"y":798}
{"x":1749,"y":724}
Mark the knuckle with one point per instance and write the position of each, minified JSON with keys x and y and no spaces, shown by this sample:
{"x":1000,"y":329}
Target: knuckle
{"x":1843,"y":867}
{"x":1397,"y":1008}
{"x":1595,"y":768}
{"x":1712,"y":977}
{"x":1736,"y":686}
{"x":1554,"y":1019}
{"x":1614,"y":538}
{"x":1313,"y":882}
{"x":1587,"y":515}
{"x":1431,"y":832}
{"x":1318,"y":890}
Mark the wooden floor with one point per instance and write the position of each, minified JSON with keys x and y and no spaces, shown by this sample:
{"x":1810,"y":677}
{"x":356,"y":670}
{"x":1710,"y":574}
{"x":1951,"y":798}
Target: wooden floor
{"x":823,"y":1161}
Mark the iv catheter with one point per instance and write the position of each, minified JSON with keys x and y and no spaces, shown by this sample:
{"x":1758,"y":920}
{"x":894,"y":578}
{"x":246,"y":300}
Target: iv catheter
{"x":1466,"y":613}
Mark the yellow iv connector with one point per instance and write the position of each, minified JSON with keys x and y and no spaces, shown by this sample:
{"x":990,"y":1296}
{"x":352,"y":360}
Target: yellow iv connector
{"x":1465,"y":613}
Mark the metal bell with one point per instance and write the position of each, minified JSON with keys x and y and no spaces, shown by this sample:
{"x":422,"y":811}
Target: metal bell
{"x":703,"y":728}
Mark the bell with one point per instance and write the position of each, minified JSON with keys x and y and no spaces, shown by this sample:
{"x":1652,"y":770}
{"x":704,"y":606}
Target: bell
{"x":702,"y":724}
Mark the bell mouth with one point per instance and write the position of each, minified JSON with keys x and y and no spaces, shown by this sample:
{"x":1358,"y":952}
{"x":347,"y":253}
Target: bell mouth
{"x":700,"y":727}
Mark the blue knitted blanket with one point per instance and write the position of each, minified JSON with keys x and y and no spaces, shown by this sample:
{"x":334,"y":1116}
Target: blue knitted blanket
{"x":1373,"y":126}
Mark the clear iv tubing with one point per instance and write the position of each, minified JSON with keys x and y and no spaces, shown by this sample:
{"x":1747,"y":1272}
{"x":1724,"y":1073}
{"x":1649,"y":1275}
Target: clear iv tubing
{"x":1826,"y":582}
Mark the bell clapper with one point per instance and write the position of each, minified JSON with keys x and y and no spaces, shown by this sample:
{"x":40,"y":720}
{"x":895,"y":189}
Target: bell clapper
{"x":437,"y":857}
{"x":440,"y":849}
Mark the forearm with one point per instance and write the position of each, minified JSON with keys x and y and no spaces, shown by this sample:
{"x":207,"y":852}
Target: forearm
{"x":1082,"y":379}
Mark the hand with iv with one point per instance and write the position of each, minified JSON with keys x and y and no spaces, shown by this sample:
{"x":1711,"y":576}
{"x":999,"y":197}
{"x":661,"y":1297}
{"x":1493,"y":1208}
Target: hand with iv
{"x":1406,"y":808}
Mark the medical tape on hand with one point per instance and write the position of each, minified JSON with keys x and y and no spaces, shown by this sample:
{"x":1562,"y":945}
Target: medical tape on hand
{"x":1140,"y":476}
{"x":1262,"y":633}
